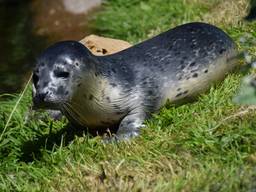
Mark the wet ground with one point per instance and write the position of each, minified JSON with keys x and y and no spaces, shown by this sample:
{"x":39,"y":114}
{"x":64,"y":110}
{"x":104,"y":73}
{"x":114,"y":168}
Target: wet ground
{"x":27,"y":27}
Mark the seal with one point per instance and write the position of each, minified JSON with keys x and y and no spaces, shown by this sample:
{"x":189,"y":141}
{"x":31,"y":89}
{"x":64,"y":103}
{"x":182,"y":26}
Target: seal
{"x":125,"y":88}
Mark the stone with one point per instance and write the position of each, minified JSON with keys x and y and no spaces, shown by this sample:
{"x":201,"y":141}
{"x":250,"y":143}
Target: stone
{"x":104,"y":46}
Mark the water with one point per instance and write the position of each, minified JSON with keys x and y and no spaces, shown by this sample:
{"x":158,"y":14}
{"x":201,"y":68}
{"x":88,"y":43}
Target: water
{"x":27,"y":27}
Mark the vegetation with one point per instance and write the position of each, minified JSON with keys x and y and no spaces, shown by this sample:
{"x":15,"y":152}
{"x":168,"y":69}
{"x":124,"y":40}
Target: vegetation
{"x":208,"y":145}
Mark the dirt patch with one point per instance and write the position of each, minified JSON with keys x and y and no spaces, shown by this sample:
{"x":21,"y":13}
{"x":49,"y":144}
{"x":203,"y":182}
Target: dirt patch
{"x":56,"y":20}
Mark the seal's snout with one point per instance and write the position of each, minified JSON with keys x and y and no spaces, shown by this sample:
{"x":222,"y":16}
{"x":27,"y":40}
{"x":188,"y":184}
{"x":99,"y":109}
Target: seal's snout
{"x":40,"y":99}
{"x":41,"y":96}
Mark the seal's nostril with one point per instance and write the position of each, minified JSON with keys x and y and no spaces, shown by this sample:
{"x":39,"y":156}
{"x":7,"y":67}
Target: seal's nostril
{"x":41,"y":96}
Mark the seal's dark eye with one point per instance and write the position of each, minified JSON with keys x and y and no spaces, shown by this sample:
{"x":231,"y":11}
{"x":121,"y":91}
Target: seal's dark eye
{"x":35,"y":79}
{"x":61,"y":74}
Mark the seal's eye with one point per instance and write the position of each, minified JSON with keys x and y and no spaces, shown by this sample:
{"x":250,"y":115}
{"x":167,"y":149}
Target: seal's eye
{"x":35,"y":79}
{"x":61,"y":74}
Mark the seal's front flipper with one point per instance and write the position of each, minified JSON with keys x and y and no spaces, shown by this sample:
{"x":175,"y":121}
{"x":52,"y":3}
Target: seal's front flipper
{"x":129,"y":127}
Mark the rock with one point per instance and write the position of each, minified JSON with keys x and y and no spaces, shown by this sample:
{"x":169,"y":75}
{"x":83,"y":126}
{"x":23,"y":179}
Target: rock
{"x":80,"y":6}
{"x":104,"y":46}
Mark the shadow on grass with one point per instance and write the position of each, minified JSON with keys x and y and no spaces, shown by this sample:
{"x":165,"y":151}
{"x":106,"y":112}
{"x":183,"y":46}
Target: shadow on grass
{"x":33,"y":149}
{"x":252,"y":13}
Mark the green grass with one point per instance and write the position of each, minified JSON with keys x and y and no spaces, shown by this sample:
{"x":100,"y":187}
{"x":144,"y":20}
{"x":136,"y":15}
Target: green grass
{"x":208,"y":145}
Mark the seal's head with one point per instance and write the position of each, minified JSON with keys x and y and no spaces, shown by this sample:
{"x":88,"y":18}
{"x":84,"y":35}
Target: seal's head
{"x":57,"y":73}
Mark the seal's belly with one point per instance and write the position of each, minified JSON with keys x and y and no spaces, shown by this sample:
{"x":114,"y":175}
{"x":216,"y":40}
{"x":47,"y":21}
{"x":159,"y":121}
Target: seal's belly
{"x":97,"y":118}
{"x":190,"y":82}
{"x":98,"y":113}
{"x":98,"y":103}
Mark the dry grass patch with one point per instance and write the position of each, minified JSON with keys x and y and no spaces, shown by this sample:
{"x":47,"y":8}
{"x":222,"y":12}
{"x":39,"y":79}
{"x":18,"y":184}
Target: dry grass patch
{"x":228,"y":12}
{"x":123,"y":175}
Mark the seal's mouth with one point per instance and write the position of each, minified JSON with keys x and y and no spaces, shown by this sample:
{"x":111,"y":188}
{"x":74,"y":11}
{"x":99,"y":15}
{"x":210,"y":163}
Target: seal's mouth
{"x":37,"y":104}
{"x":45,"y":100}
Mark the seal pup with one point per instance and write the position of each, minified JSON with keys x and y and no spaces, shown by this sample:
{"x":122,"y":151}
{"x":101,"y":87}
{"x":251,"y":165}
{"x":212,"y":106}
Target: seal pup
{"x":125,"y":88}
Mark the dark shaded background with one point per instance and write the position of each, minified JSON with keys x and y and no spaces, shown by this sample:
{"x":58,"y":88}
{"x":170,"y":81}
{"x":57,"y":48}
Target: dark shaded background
{"x":26,"y":28}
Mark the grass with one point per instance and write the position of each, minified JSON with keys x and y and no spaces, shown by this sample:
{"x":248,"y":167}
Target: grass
{"x":208,"y":145}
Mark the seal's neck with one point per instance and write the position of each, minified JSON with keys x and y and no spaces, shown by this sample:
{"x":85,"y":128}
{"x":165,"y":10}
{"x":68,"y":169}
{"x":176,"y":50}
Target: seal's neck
{"x":92,"y":64}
